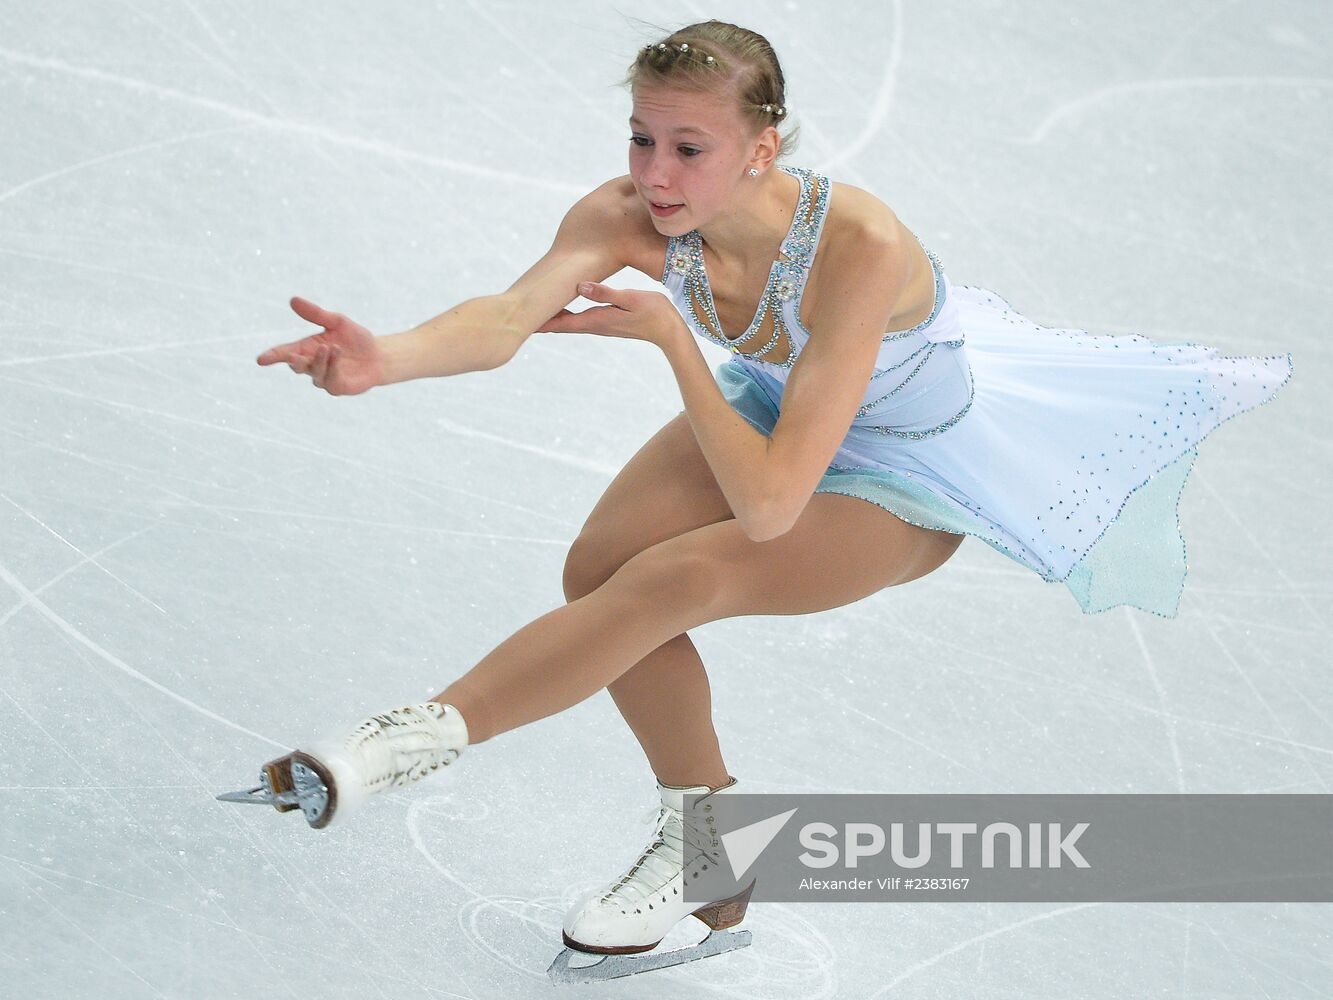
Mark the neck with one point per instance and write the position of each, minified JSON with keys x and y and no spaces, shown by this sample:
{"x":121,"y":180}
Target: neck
{"x":752,"y":229}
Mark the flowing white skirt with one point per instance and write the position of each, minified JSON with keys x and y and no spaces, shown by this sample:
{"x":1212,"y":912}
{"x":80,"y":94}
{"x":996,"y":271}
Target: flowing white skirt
{"x":1072,"y":454}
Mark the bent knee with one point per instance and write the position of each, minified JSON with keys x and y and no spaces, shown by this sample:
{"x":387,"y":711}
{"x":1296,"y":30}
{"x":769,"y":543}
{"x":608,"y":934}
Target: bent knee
{"x":586,"y":567}
{"x":675,"y":571}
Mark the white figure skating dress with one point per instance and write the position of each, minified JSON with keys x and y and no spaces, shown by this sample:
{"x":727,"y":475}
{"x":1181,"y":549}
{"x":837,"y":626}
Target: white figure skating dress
{"x":1065,"y":451}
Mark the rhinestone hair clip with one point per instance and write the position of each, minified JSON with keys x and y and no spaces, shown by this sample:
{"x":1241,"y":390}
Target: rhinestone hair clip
{"x":684,"y":47}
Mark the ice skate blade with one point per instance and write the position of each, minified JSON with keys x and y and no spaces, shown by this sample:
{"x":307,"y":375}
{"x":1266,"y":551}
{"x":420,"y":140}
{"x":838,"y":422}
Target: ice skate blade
{"x":274,"y":788}
{"x":297,"y":781}
{"x":615,"y":966}
{"x":260,"y":796}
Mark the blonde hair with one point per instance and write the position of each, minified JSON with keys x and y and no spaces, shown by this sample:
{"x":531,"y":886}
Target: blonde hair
{"x":720,"y":58}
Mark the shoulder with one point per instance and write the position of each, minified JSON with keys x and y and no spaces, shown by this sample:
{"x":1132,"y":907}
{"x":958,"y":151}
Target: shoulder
{"x":862,"y":235}
{"x":863,"y":263}
{"x":614,"y":213}
{"x":857,"y":219}
{"x":605,"y":210}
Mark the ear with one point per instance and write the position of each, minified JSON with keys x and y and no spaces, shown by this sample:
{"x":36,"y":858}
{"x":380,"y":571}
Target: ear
{"x":765,"y":151}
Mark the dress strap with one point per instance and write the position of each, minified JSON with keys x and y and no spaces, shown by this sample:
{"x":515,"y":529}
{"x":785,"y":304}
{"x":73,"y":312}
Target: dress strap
{"x":808,"y":223}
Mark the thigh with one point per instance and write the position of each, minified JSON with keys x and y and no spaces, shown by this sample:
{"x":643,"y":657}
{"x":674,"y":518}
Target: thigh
{"x":666,"y":489}
{"x":840,"y":550}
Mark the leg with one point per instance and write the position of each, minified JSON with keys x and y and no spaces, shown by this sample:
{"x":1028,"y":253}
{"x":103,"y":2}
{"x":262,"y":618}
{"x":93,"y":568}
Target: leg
{"x":841,"y":550}
{"x":665,"y":490}
{"x":667,"y":702}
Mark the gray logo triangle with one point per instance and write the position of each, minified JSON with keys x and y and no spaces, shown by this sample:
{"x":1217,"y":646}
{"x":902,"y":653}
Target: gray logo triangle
{"x":744,"y":845}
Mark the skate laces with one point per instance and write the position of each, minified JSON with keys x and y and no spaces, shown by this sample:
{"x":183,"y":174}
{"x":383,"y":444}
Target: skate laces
{"x":400,"y":746}
{"x":665,"y":856}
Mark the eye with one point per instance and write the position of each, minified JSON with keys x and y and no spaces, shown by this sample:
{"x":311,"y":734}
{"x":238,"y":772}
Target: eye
{"x":641,"y":141}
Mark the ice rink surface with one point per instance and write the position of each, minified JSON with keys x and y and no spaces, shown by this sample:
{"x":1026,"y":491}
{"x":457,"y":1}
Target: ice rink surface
{"x":203,"y":561}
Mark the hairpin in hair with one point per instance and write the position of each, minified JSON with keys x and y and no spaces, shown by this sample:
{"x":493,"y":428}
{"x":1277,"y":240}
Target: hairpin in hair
{"x":682,"y":48}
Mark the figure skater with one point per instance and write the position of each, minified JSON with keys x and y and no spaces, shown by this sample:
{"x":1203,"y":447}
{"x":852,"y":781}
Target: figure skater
{"x":872,"y":414}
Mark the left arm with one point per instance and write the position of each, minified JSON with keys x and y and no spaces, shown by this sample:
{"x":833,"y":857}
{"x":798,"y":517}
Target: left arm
{"x":827,"y":383}
{"x":736,"y":452}
{"x":767,"y":481}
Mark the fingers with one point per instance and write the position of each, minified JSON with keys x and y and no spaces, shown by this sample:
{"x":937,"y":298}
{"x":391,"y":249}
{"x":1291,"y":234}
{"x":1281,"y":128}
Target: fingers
{"x":319,"y":366}
{"x":599,"y":292}
{"x":595,"y":320}
{"x":281,"y":352}
{"x":299,"y":363}
{"x":322,"y":365}
{"x":577,"y":322}
{"x":308,"y":310}
{"x":318,"y":363}
{"x":290,"y":351}
{"x":560,"y":322}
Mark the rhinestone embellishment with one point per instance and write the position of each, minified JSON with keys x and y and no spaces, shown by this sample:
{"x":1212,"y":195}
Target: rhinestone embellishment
{"x":694,"y":297}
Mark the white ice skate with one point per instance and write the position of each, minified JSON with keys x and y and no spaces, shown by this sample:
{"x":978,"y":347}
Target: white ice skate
{"x":634,"y":913}
{"x":332,"y":777}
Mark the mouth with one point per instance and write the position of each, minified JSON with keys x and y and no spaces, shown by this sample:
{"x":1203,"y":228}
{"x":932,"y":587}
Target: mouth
{"x":660,"y":208}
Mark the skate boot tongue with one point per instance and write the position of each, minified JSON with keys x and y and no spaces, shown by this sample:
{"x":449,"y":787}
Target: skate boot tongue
{"x":674,"y":843}
{"x":677,"y":839}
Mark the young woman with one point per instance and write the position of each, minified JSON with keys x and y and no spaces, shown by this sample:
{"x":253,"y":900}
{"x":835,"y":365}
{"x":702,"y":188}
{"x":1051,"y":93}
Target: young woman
{"x":871,"y":416}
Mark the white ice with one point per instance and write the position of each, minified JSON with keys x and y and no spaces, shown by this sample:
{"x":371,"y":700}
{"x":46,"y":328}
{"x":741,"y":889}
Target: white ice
{"x":203,"y":560}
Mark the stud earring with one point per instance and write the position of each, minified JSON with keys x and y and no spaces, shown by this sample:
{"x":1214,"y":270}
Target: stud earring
{"x":754,"y":172}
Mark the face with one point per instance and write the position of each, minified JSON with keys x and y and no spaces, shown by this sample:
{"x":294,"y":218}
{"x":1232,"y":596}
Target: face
{"x":689,"y":150}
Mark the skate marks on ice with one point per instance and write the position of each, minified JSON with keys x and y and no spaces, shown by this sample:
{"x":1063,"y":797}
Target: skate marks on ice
{"x":29,"y":597}
{"x":978,"y":939}
{"x":790,"y":956}
{"x":246,"y":118}
{"x":521,"y":917}
{"x":1155,"y":87}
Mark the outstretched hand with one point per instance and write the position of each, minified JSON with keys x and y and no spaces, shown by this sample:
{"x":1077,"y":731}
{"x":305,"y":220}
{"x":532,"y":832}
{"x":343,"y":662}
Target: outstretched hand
{"x":343,"y":360}
{"x":629,"y":313}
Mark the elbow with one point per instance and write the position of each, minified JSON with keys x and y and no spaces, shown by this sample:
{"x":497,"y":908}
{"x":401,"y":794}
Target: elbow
{"x":767,"y":521}
{"x":505,"y":349}
{"x":509,"y":333}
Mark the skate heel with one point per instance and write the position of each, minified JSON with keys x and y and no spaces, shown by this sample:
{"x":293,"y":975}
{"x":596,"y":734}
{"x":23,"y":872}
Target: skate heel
{"x":275,"y":778}
{"x":726,"y":912}
{"x":310,"y":786}
{"x":316,"y":791}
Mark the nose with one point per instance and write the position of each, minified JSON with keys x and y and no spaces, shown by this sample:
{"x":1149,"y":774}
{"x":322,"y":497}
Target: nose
{"x":655,"y":175}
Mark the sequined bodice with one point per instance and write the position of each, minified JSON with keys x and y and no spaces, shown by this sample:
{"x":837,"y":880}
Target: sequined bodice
{"x":775,"y":337}
{"x":772,"y":333}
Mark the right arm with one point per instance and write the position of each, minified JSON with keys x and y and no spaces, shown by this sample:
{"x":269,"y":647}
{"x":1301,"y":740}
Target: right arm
{"x":479,"y":333}
{"x":486,"y":332}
